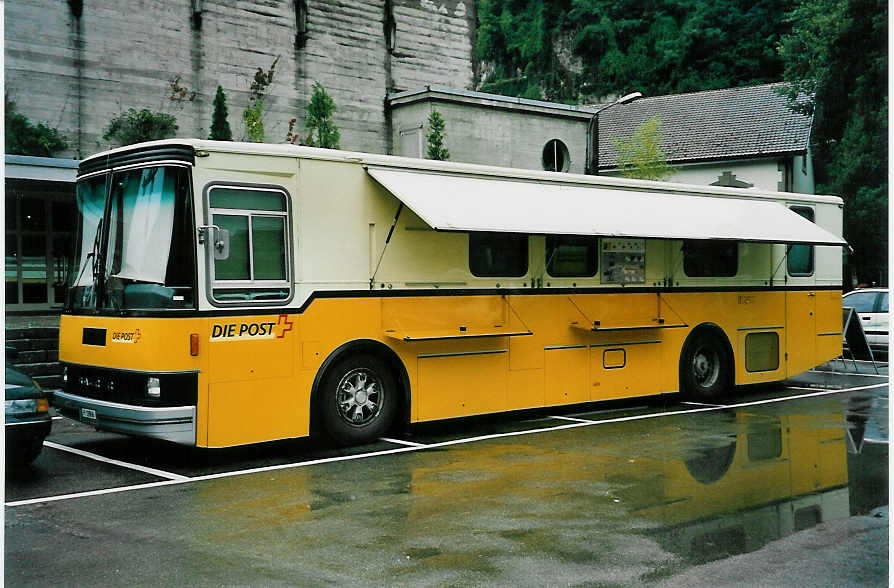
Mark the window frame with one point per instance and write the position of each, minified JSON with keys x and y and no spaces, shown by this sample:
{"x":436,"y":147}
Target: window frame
{"x":527,"y":249}
{"x":788,"y":269}
{"x":710,"y":242}
{"x":211,"y":281}
{"x":549,"y":262}
{"x":558,"y":146}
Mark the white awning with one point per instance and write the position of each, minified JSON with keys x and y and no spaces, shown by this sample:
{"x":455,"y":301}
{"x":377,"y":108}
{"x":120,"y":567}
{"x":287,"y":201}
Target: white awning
{"x":457,"y":202}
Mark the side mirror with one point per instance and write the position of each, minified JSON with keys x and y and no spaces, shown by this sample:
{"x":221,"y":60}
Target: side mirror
{"x":222,"y":244}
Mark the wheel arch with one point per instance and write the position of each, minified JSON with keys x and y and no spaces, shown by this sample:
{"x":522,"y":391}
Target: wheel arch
{"x":373,"y":347}
{"x":717,"y":331}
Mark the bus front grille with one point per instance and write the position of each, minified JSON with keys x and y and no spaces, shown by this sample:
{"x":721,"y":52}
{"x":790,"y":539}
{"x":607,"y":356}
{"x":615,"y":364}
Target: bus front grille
{"x":130,"y":387}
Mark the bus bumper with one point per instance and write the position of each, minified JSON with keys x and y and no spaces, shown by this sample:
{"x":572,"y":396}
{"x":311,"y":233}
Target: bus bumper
{"x":176,"y":424}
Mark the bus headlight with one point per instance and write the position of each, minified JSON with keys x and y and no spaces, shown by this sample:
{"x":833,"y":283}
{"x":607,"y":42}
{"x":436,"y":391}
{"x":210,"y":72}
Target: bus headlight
{"x":153,"y":388}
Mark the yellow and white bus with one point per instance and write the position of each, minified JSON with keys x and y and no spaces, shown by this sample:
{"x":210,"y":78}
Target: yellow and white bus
{"x":228,"y":293}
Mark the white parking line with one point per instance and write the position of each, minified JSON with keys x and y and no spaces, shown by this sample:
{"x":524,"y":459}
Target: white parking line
{"x":408,"y":449}
{"x":574,"y":420}
{"x":124,"y":464}
{"x":847,"y":374}
{"x":403,"y":442}
{"x":701,"y":404}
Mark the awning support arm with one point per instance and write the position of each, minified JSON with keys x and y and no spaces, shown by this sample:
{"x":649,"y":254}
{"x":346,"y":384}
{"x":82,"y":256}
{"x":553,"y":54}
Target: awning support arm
{"x":372,"y":278}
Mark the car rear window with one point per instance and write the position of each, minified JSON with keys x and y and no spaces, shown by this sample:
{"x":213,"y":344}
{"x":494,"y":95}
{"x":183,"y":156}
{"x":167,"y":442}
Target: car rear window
{"x":861,"y":301}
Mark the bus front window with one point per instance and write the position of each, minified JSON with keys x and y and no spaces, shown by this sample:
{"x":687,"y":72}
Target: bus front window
{"x":142,"y":254}
{"x":91,"y":201}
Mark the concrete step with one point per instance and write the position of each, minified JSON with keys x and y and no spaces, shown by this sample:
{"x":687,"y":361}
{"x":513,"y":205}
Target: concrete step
{"x":49,"y":382}
{"x":37,"y":356}
{"x":40,"y":369}
{"x":32,"y":333}
{"x":33,"y":344}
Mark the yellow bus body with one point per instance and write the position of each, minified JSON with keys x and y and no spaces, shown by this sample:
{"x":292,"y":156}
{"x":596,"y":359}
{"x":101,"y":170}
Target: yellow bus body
{"x":448,"y":378}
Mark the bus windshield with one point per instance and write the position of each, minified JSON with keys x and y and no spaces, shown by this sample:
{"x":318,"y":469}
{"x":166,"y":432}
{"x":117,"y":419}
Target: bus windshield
{"x":135,"y":245}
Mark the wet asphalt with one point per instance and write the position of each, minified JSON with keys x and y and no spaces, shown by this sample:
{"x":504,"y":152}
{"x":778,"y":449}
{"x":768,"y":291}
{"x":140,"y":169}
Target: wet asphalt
{"x":785,"y":484}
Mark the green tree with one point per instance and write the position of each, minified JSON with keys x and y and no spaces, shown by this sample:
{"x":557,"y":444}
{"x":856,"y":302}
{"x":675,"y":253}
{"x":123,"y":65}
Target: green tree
{"x":24,"y":138}
{"x":436,"y":137}
{"x":220,"y":126}
{"x":136,"y":126}
{"x":321,"y":129}
{"x":582,"y":50}
{"x":640,"y":155}
{"x":836,"y":62}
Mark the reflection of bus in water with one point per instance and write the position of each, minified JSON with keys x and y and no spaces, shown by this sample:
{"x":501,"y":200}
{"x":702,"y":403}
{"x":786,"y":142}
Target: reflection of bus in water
{"x":763,"y":478}
{"x":729,"y":483}
{"x":230,"y":293}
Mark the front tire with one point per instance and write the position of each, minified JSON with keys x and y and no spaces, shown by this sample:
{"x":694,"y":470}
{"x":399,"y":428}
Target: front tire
{"x":359,"y":399}
{"x":705,"y":367}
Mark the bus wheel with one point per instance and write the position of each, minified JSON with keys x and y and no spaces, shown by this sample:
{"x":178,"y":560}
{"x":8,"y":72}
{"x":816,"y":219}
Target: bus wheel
{"x":359,"y":399}
{"x":704,"y":367}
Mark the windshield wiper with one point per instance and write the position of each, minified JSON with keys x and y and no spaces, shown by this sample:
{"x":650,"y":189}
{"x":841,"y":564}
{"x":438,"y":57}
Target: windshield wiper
{"x":97,"y":259}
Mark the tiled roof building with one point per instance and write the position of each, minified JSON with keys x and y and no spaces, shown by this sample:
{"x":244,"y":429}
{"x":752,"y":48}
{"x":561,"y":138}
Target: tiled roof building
{"x":733,"y":123}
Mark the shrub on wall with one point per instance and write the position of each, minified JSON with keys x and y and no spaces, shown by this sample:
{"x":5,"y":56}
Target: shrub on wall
{"x":321,"y":129}
{"x":220,"y":126}
{"x":24,"y":138}
{"x":436,"y":137}
{"x":136,"y":126}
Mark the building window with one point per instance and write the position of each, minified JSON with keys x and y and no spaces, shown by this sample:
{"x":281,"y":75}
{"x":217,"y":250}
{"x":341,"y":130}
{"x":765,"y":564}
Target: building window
{"x":555,"y":156}
{"x":710,"y":259}
{"x":39,"y":242}
{"x":251,"y":246}
{"x":503,"y":255}
{"x":570,"y":256}
{"x":800,"y":257}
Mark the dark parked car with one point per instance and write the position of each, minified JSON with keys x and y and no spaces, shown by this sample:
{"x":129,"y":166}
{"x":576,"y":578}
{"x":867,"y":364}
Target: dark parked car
{"x":27,"y":417}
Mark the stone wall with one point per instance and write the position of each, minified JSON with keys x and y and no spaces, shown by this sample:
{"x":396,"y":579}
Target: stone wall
{"x":77,"y":73}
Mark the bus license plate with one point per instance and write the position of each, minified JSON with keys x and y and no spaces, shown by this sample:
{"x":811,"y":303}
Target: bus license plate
{"x":88,"y":413}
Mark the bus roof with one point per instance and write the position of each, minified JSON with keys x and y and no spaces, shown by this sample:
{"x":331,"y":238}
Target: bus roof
{"x":449,"y":167}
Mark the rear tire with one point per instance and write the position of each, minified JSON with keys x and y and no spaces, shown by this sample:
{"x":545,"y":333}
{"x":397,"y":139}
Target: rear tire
{"x":705,"y":367}
{"x":358,"y":399}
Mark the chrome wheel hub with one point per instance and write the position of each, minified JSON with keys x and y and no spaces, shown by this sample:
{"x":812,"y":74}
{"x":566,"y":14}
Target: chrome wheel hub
{"x":359,"y":397}
{"x":706,"y":366}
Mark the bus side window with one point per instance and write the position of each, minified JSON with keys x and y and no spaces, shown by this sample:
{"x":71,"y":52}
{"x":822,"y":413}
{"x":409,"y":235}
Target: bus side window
{"x":800,"y":257}
{"x":710,"y":259}
{"x":257,"y":266}
{"x":570,"y":256}
{"x":498,"y":255}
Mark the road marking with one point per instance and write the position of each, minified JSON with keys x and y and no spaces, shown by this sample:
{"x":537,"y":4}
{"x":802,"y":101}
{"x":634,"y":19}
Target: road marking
{"x":403,"y":442}
{"x":700,"y":404}
{"x":848,"y":374}
{"x":408,"y":449}
{"x":124,"y":464}
{"x":564,"y":418}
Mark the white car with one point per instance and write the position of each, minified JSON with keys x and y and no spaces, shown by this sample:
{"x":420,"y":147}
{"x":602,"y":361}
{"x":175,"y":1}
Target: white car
{"x":872,"y":306}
